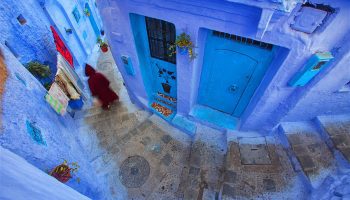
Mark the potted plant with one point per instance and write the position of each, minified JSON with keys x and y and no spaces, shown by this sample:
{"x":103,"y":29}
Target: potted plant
{"x":64,"y":171}
{"x":103,"y":45}
{"x":185,"y":46}
{"x":87,"y":12}
{"x":38,"y":70}
{"x":167,"y":75}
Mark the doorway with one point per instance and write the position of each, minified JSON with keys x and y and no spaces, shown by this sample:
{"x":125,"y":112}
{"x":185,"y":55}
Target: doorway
{"x":153,"y":37}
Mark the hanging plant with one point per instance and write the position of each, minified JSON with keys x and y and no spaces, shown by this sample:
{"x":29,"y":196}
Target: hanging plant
{"x":38,"y":70}
{"x":184,"y":45}
{"x":103,"y":45}
{"x":64,"y":171}
{"x":87,"y":12}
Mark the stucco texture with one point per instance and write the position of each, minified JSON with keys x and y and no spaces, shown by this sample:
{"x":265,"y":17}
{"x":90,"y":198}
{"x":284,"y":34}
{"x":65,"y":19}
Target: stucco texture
{"x":274,"y":100}
{"x":3,"y":77}
{"x":23,"y":101}
{"x":32,"y":40}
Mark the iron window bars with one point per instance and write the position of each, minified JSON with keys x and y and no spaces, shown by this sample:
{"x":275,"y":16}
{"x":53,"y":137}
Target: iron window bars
{"x":161,"y":35}
{"x":243,"y":40}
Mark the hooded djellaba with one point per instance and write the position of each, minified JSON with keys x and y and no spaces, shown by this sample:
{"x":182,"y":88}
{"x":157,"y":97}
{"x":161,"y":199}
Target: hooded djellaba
{"x":99,"y":87}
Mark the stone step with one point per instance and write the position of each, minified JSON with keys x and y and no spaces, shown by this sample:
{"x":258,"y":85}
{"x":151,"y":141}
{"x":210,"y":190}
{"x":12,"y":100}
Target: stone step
{"x":256,"y":166}
{"x":336,"y":132}
{"x":203,"y":177}
{"x":93,"y":111}
{"x":120,"y":124}
{"x":309,"y":153}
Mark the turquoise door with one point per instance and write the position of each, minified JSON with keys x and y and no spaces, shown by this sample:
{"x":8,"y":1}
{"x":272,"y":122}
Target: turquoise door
{"x":232,"y":70}
{"x":153,"y":38}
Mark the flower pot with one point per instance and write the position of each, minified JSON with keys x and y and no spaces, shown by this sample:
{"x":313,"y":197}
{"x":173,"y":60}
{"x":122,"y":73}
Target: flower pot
{"x":166,"y":87}
{"x":104,"y":48}
{"x":183,"y":50}
{"x":61,"y":173}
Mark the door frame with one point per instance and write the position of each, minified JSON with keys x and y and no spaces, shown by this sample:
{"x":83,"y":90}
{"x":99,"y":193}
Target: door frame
{"x":280,"y":54}
{"x":140,"y":36}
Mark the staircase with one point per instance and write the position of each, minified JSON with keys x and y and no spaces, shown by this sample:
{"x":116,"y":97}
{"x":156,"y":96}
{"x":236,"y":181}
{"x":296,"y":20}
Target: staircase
{"x":318,"y":149}
{"x":290,"y":162}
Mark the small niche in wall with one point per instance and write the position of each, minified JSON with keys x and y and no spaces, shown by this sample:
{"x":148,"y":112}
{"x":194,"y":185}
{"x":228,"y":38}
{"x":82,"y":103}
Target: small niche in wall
{"x":312,"y":17}
{"x":345,"y":88}
{"x":84,"y":35}
{"x":76,"y":14}
{"x":35,"y":133}
{"x":21,"y":19}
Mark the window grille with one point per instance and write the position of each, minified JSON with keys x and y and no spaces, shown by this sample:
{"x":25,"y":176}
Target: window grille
{"x":161,"y":35}
{"x":243,"y":40}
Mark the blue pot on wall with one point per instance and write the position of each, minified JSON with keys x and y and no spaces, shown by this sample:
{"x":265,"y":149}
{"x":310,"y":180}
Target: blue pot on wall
{"x":183,"y":50}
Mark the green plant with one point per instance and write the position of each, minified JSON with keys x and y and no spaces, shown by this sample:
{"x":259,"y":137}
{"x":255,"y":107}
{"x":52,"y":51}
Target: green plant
{"x":47,"y":86}
{"x":183,"y":41}
{"x":38,"y":69}
{"x":87,"y":12}
{"x":101,"y":43}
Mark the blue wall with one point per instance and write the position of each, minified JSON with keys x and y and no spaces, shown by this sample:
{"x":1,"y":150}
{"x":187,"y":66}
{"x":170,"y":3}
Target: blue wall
{"x":31,"y":41}
{"x":268,"y":21}
{"x":23,"y":100}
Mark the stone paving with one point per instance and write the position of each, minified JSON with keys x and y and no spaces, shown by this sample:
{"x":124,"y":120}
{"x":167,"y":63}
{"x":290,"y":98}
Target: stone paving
{"x":339,"y":133}
{"x":142,"y":157}
{"x":311,"y":152}
{"x":256,"y":168}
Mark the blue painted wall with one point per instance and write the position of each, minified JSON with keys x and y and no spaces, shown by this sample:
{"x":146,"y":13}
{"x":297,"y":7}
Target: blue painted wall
{"x":31,"y":41}
{"x":82,"y":40}
{"x":25,"y":102}
{"x":268,"y":21}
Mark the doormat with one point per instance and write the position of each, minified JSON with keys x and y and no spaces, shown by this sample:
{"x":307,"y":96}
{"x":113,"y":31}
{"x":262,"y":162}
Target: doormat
{"x":161,"y":109}
{"x":172,"y":99}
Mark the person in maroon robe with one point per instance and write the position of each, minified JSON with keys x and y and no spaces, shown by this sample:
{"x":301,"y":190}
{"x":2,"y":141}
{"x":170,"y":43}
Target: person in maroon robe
{"x":99,"y":87}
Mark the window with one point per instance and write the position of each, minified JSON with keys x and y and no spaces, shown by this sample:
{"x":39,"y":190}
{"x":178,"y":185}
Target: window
{"x":21,"y":19}
{"x":161,"y":35}
{"x":76,"y":14}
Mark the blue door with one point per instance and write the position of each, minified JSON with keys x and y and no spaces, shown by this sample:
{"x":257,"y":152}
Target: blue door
{"x":232,"y":70}
{"x":153,"y":38}
{"x":92,"y":21}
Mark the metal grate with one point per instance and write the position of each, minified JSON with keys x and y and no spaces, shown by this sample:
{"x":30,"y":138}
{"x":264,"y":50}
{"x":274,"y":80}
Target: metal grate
{"x":243,"y":40}
{"x":161,"y":35}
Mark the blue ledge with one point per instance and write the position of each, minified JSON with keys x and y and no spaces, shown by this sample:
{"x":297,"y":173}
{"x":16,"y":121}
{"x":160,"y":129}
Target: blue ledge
{"x":215,"y":117}
{"x":185,"y":124}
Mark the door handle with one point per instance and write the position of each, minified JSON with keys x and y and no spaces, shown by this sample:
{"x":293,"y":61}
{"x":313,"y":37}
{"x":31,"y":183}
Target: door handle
{"x":232,"y":88}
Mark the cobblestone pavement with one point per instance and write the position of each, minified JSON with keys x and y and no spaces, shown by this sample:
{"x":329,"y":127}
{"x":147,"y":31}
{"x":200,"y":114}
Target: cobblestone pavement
{"x":142,"y":157}
{"x":339,"y":134}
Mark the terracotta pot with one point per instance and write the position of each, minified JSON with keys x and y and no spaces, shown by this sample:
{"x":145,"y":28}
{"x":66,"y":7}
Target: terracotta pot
{"x":166,"y":87}
{"x":104,"y":48}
